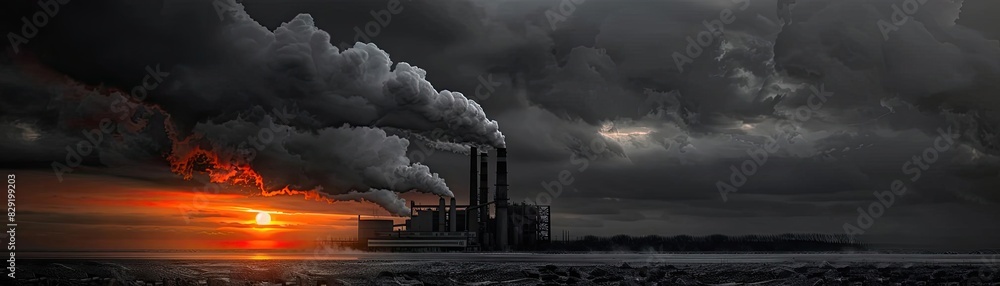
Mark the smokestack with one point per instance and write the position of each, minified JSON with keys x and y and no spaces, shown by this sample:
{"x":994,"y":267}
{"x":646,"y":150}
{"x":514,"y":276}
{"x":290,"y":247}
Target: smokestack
{"x":441,"y":214}
{"x":484,"y":196}
{"x":473,"y":174}
{"x":452,"y":219}
{"x":501,"y":199}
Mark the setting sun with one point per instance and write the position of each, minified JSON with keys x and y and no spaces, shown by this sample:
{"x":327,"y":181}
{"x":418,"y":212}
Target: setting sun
{"x":263,"y":218}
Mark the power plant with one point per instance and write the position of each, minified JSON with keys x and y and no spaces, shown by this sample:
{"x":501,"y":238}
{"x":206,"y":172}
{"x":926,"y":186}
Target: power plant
{"x":465,"y":227}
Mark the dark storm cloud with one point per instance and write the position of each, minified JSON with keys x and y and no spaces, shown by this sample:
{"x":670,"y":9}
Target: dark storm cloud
{"x":123,"y":37}
{"x":744,"y":85}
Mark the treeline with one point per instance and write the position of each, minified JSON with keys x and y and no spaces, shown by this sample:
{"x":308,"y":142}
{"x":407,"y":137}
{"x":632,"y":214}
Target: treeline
{"x":718,"y":242}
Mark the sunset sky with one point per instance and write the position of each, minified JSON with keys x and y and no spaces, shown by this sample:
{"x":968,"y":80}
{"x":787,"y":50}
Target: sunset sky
{"x":100,"y":212}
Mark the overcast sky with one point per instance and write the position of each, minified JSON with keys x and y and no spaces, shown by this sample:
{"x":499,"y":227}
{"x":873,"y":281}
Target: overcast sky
{"x":643,"y":124}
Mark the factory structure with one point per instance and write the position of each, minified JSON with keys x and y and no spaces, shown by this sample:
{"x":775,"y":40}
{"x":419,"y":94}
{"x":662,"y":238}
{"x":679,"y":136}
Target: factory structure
{"x":480,"y":225}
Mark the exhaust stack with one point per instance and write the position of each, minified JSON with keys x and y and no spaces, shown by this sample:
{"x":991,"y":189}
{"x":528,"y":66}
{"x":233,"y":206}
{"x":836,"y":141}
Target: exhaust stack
{"x":471,"y":219}
{"x":501,"y":199}
{"x":452,"y":219}
{"x":484,"y":197}
{"x":441,"y":214}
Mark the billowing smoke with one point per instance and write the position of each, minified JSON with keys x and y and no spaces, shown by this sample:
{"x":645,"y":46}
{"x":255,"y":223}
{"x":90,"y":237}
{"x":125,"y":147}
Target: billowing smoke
{"x":330,"y":141}
{"x":387,"y":199}
{"x":278,"y":156}
{"x":297,"y":66}
{"x":440,"y":144}
{"x":384,"y":198}
{"x":280,"y":112}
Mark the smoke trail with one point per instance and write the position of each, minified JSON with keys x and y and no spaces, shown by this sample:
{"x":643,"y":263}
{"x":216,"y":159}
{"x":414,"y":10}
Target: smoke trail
{"x":440,"y":144}
{"x":388,"y":200}
{"x":331,"y":161}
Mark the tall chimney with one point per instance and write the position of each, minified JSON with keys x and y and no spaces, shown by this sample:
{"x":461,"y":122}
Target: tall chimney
{"x":452,"y":219}
{"x":473,"y":177}
{"x":501,"y":199}
{"x":484,"y":197}
{"x":441,"y":214}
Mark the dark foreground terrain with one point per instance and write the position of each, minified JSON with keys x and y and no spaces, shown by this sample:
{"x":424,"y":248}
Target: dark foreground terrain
{"x":380,"y":272}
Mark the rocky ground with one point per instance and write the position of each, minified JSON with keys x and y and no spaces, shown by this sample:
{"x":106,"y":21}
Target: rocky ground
{"x":285,"y":272}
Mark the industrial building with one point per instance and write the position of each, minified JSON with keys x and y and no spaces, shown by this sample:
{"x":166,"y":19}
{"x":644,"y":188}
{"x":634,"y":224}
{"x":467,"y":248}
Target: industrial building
{"x":481,"y":224}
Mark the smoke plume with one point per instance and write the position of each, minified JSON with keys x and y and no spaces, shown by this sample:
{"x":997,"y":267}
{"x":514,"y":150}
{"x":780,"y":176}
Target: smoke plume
{"x":280,"y":112}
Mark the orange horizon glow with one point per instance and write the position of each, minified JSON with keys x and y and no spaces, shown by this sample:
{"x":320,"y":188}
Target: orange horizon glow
{"x":115,"y":213}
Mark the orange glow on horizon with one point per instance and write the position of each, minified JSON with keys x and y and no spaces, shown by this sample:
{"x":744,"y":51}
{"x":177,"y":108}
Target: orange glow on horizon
{"x":261,"y":244}
{"x":260,"y":256}
{"x":122,"y":213}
